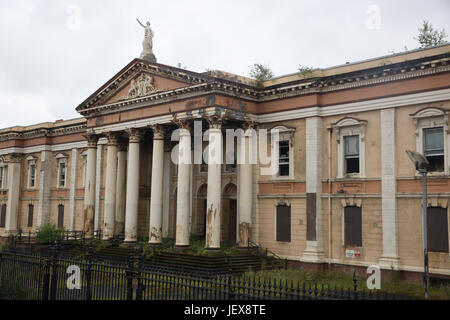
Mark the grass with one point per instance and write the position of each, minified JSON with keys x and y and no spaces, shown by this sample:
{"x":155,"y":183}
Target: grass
{"x":340,"y":279}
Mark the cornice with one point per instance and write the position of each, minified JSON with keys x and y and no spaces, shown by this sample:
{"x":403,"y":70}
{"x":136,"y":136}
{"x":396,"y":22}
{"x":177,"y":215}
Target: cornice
{"x":203,"y":85}
{"x":43,"y":132}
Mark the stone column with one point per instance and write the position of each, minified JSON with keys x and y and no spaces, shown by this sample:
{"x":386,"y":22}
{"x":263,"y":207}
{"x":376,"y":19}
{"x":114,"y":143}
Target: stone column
{"x":132,"y":197}
{"x":13,"y":181}
{"x":245,"y":188}
{"x":89,"y":187}
{"x":183,"y":189}
{"x":110,"y":187}
{"x":121,"y":190}
{"x":389,"y":258}
{"x":314,"y":224}
{"x":214,"y":192}
{"x":156,"y":201}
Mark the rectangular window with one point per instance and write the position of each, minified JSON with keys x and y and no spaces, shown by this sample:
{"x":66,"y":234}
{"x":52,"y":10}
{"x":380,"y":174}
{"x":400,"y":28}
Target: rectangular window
{"x":437,"y":229}
{"x":30,"y":215}
{"x":353,"y":226}
{"x":433,"y":146}
{"x":62,"y":174}
{"x":283,"y":158}
{"x":2,"y":177}
{"x":351,"y":154}
{"x":230,"y":162}
{"x":32,"y":178}
{"x":283,"y":223}
{"x":60,"y":216}
{"x":3,"y":216}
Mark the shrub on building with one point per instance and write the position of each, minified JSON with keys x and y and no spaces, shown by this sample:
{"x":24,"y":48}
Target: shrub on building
{"x":49,"y":233}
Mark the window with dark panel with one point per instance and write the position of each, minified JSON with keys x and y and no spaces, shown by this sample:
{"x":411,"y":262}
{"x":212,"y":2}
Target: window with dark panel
{"x":351,"y":154}
{"x":283,"y":160}
{"x":30,"y":215}
{"x":3,"y":216}
{"x":32,"y":180}
{"x":433,"y":146}
{"x":62,"y":174}
{"x":283,"y":223}
{"x":437,"y":229}
{"x":353,"y":226}
{"x":60,"y":216}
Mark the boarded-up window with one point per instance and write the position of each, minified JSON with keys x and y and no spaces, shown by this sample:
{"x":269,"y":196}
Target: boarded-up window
{"x":353,"y":226}
{"x":437,"y":229}
{"x":30,"y":215}
{"x":311,"y":202}
{"x":283,"y":223}
{"x":60,"y":216}
{"x":3,"y":216}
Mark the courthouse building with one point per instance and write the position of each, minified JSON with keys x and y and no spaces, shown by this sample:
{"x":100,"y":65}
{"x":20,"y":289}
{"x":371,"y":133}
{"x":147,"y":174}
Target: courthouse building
{"x":344,"y":192}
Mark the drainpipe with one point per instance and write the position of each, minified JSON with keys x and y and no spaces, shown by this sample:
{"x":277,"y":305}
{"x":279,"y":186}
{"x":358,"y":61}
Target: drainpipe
{"x":330,"y":251}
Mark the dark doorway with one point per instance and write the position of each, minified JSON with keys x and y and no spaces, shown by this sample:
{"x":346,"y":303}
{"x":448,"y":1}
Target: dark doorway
{"x":232,"y":221}
{"x":60,"y":216}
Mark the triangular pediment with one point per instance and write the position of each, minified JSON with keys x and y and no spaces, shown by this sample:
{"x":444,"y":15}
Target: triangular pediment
{"x":141,"y":78}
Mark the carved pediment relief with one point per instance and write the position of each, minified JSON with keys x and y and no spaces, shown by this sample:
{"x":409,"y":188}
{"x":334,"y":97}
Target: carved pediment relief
{"x":142,"y":85}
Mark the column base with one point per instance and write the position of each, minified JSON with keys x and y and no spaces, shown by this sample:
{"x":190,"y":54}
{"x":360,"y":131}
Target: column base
{"x":182,"y":248}
{"x":391,"y":263}
{"x":213,"y":251}
{"x":155,"y":244}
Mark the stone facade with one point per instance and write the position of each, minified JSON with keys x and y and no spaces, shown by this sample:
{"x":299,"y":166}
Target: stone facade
{"x":112,"y":171}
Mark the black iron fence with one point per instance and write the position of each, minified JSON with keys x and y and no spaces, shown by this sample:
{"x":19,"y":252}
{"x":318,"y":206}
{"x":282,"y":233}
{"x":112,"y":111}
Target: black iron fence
{"x":54,"y":276}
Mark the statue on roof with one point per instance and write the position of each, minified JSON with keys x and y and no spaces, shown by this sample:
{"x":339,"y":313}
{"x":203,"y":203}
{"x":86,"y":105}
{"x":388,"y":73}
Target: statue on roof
{"x":147,"y":43}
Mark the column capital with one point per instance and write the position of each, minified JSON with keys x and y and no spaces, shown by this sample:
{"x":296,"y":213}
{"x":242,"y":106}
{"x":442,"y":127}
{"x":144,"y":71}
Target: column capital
{"x":113,"y":138}
{"x":182,"y":123}
{"x":158,"y":131}
{"x":134,"y":135}
{"x":215,"y":122}
{"x":248,"y":125}
{"x":92,"y":140}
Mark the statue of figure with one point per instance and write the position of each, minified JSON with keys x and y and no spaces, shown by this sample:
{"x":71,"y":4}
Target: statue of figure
{"x":147,"y":44}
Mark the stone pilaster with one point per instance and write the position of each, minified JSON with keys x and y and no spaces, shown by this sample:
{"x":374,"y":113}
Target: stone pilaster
{"x":214,"y":192}
{"x":13,"y":182}
{"x":156,"y":201}
{"x":245,"y":187}
{"x":314,"y":222}
{"x":121,"y":189}
{"x":183,"y":190}
{"x":73,"y":185}
{"x":45,"y":182}
{"x":89,"y":188}
{"x":132,"y":197}
{"x":110,"y":187}
{"x":389,"y":257}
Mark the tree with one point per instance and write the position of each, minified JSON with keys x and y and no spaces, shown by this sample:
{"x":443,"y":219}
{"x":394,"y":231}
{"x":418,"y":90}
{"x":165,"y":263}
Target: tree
{"x":428,"y":37}
{"x":260,"y":73}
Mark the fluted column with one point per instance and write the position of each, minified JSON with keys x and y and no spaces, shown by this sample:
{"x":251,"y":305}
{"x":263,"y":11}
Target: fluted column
{"x":110,"y":187}
{"x":132,"y":197}
{"x":156,"y":201}
{"x":89,"y":188}
{"x":13,"y":181}
{"x":245,"y":187}
{"x":184,"y":172}
{"x":121,"y":190}
{"x":214,"y":192}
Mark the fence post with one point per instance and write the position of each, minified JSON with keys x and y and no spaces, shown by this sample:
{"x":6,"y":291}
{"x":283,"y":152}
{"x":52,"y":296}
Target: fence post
{"x":89,"y":273}
{"x":130,"y":271}
{"x":355,"y":286}
{"x":54,"y":279}
{"x":230,"y":280}
{"x":140,"y":286}
{"x":46,"y":282}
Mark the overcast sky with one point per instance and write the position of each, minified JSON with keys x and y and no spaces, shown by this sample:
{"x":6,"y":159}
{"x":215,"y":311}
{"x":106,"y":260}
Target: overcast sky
{"x":55,"y":53}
